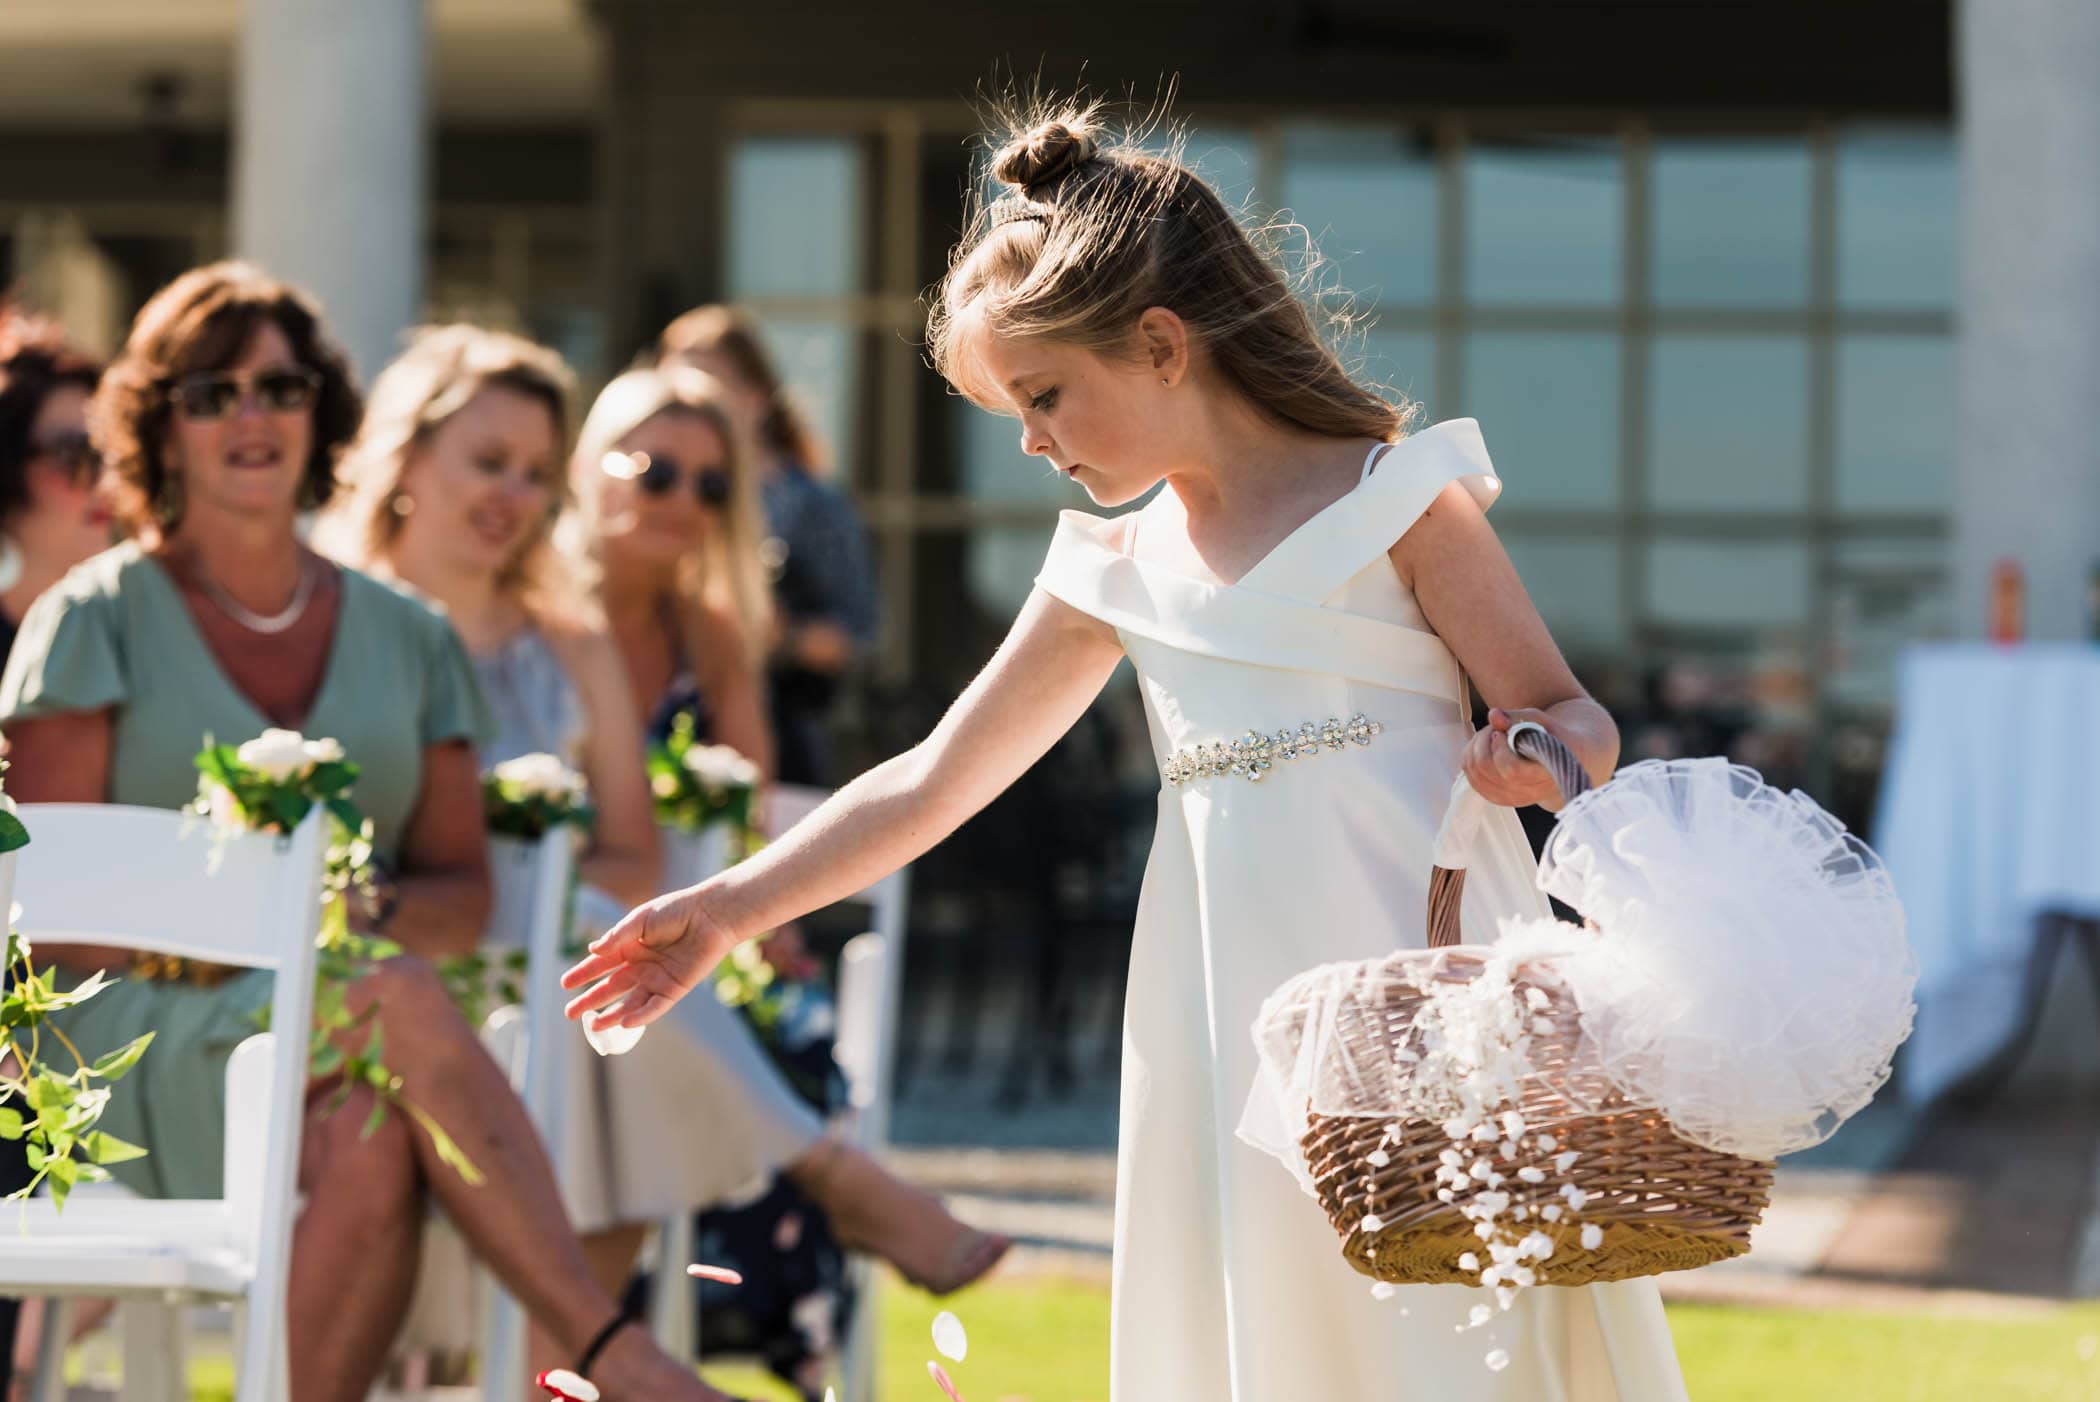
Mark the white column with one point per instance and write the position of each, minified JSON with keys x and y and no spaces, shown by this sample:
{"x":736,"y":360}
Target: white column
{"x":2028,"y":461}
{"x":330,"y":159}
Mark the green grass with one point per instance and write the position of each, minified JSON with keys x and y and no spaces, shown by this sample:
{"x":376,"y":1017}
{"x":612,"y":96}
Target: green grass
{"x":1047,"y":1341}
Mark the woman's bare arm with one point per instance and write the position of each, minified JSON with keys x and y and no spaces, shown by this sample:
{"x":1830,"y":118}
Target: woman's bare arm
{"x":731,"y":684}
{"x":1472,"y":597}
{"x":1052,"y":665}
{"x":625,"y":856}
{"x":442,"y":888}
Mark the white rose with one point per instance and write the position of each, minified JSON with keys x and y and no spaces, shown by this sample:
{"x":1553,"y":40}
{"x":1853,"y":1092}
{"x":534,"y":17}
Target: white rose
{"x":540,"y":774}
{"x":720,"y":766}
{"x":324,"y":751}
{"x":277,"y":755}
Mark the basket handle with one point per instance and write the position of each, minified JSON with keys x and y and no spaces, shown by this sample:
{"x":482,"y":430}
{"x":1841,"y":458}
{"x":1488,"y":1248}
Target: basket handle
{"x":1462,"y":819}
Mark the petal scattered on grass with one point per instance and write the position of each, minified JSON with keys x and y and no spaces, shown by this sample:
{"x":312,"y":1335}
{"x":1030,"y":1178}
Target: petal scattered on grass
{"x":568,"y":1386}
{"x":720,"y":1274}
{"x":949,"y":1337}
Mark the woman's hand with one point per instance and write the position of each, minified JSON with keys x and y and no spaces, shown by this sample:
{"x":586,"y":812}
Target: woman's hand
{"x":1498,"y":773}
{"x":657,"y":954}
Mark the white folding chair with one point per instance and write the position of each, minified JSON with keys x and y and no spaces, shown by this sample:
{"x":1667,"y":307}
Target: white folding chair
{"x":530,"y":884}
{"x":149,"y":879}
{"x":866,"y":1033}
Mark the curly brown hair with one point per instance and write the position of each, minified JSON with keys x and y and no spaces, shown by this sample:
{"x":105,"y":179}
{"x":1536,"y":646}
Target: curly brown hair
{"x":201,"y":322}
{"x":35,"y":359}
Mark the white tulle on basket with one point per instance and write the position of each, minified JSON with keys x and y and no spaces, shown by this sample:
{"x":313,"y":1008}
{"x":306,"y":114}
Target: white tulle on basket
{"x":1753,"y":980}
{"x":1743,"y":969}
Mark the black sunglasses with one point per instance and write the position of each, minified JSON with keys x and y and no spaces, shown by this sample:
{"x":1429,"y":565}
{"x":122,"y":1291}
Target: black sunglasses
{"x":657,"y":476}
{"x":214,"y":394}
{"x":73,"y":452}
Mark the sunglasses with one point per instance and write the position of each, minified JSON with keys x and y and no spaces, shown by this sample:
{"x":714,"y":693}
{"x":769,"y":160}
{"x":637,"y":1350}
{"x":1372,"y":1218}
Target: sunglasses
{"x":73,"y":452}
{"x":214,"y":394}
{"x":657,"y":476}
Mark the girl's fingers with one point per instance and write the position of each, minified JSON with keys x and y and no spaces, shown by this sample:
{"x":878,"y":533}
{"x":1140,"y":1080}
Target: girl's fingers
{"x":639,"y":1008}
{"x":590,"y":968}
{"x":590,"y":1000}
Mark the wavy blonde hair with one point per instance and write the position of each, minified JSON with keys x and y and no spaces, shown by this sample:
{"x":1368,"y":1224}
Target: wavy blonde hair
{"x":1092,"y":231}
{"x":734,"y":577}
{"x":439,"y":374}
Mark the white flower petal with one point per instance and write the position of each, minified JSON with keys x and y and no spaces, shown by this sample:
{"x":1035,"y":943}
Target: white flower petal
{"x":949,"y":1340}
{"x":612,"y":1041}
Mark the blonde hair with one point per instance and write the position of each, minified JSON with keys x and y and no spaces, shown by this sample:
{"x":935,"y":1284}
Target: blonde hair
{"x":439,"y":374}
{"x":1090,"y":235}
{"x":732,"y":333}
{"x":734,"y":577}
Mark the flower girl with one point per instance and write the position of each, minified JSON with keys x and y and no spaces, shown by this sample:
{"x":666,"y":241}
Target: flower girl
{"x":1304,"y":605}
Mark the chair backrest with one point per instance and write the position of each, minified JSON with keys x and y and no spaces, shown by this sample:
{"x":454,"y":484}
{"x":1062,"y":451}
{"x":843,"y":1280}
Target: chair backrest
{"x":158,"y":880}
{"x":529,"y":909}
{"x":153,"y":879}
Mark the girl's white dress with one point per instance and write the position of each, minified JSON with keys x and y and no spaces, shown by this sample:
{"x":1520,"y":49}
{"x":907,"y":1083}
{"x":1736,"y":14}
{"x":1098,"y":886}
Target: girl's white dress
{"x":1229,"y":1283}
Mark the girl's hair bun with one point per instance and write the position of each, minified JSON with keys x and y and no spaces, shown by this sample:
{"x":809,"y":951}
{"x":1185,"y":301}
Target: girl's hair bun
{"x":1046,"y":153}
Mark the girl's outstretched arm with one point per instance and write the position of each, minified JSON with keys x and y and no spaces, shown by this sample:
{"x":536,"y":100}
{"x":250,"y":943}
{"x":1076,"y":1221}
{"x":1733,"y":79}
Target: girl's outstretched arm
{"x":1052,"y":665}
{"x":1470,"y":593}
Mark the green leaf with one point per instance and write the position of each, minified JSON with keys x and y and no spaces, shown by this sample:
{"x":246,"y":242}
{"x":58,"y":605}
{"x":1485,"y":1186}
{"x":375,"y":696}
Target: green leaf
{"x":12,"y":834}
{"x":107,"y":1148}
{"x":61,"y":1188}
{"x":113,"y":1066}
{"x":34,"y":1154}
{"x":12,"y":1125}
{"x":373,"y":1121}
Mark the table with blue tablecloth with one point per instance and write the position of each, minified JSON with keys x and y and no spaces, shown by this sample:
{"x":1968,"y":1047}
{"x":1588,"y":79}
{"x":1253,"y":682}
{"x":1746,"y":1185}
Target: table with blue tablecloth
{"x":1987,"y":822}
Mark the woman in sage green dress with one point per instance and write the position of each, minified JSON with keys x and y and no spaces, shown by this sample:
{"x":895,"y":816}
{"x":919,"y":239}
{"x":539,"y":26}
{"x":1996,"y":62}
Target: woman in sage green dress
{"x":221,"y":420}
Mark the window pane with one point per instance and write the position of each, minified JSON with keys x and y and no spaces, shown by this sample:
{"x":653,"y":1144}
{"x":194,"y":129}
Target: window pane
{"x":1574,"y":584}
{"x":1731,"y":223}
{"x":994,"y":469}
{"x":1368,"y":198}
{"x":1727,"y":425}
{"x":1887,"y":595}
{"x":1549,"y":406}
{"x":1895,"y":423}
{"x":1896,"y":211}
{"x":1728,"y":584}
{"x":1230,"y":162}
{"x":1002,"y":565}
{"x":1543,"y":222}
{"x":820,"y":363}
{"x":796,"y":212}
{"x":1399,"y":362}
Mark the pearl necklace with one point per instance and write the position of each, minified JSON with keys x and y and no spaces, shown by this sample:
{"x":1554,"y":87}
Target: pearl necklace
{"x":268,"y":624}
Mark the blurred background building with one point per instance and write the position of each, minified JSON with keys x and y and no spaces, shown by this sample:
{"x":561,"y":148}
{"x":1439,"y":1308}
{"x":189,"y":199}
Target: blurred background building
{"x":1700,"y":269}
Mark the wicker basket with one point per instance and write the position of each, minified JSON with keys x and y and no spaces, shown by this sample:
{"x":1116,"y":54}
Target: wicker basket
{"x":1662,"y":1202}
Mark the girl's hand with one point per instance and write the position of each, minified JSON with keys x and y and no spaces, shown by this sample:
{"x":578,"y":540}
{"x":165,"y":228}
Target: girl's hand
{"x":657,"y":954}
{"x":1498,"y":773}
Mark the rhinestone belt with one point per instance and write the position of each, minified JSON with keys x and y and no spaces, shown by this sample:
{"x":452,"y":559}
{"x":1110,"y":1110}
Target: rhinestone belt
{"x":1254,"y":755}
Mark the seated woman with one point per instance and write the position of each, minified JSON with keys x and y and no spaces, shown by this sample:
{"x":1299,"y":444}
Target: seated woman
{"x":454,"y":483}
{"x":824,"y":585}
{"x":51,"y":517}
{"x":667,"y":516}
{"x":221,"y":420}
